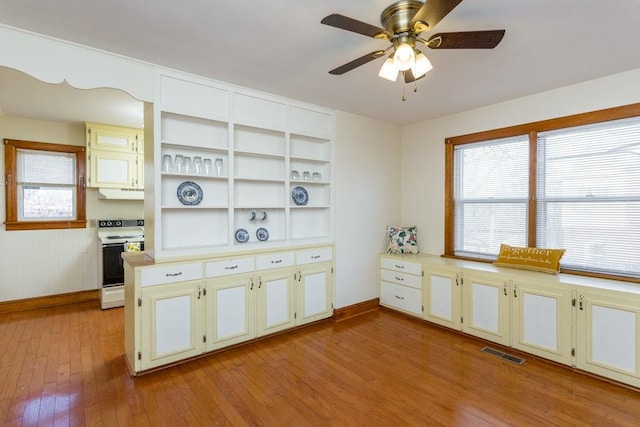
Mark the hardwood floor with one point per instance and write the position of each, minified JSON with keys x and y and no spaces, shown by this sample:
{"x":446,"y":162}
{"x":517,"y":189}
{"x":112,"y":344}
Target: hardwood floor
{"x":65,"y":366}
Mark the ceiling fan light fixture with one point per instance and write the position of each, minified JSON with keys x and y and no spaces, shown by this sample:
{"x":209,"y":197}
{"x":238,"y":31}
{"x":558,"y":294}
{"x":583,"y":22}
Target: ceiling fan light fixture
{"x":422,"y":65}
{"x":404,"y":57}
{"x":388,"y":70}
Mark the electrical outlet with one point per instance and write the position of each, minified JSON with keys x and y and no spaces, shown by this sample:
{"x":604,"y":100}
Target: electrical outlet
{"x":92,"y":223}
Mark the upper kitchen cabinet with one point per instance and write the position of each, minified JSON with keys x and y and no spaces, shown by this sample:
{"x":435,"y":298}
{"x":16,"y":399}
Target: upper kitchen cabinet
{"x":236,"y":170}
{"x":115,"y":157}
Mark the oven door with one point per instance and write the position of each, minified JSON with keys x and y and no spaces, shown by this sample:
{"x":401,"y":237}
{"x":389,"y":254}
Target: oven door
{"x":112,"y":267}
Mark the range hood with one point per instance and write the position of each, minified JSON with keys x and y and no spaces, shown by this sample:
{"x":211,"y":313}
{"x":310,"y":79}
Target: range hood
{"x":120,"y":194}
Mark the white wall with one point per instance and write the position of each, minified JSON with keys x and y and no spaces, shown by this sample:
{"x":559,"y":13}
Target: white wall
{"x":422,"y":186}
{"x":367,"y":161}
{"x":48,"y":262}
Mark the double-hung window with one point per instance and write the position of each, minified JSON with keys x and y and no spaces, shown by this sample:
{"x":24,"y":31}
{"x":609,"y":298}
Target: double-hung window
{"x":570,"y":183}
{"x":45,"y":185}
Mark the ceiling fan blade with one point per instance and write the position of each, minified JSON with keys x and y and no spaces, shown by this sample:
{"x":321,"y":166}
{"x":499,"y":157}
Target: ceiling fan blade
{"x":350,"y":24}
{"x":466,"y":40}
{"x":432,"y":12}
{"x":357,"y":62}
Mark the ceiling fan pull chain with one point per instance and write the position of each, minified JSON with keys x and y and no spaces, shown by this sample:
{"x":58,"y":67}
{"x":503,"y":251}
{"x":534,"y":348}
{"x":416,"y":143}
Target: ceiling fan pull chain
{"x":404,"y":95}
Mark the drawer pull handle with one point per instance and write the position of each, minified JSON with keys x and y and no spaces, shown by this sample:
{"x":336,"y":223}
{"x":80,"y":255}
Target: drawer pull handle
{"x":399,"y":297}
{"x":400,"y":278}
{"x":315,"y":256}
{"x":174,"y":274}
{"x":278,"y":261}
{"x":399,"y":266}
{"x":233,"y":267}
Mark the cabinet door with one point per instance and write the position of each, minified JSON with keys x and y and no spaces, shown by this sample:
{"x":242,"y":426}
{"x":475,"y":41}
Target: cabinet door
{"x":275,"y":301}
{"x":608,"y":335}
{"x":110,"y":169}
{"x":314,"y":295}
{"x":171,"y":323}
{"x":229,"y":311}
{"x":112,"y":138}
{"x":541,"y":320}
{"x":139,"y":172}
{"x":442,"y":303}
{"x":486,"y":306}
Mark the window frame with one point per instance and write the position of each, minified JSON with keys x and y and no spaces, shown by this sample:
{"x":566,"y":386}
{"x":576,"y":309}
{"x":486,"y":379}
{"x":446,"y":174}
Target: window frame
{"x":531,"y":129}
{"x":12,"y":222}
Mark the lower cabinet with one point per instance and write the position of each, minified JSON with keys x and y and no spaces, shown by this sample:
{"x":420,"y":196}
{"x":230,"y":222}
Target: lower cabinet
{"x":174,"y":311}
{"x":608,"y":334}
{"x":441,"y":296}
{"x":486,"y":306}
{"x":401,"y":284}
{"x":541,"y":320}
{"x":313,"y":292}
{"x":171,"y":323}
{"x":275,"y":306}
{"x":531,"y":312}
{"x":535,"y":318}
{"x":230,"y":307}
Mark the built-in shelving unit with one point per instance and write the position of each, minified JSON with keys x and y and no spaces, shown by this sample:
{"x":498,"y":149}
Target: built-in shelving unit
{"x":260,"y":140}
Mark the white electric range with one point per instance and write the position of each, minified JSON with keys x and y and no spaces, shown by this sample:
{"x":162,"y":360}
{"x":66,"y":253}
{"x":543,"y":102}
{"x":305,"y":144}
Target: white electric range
{"x":116,"y":236}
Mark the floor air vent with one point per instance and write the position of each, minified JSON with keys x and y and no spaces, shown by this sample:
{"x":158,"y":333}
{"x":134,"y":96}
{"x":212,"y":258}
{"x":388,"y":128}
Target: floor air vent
{"x":502,"y":355}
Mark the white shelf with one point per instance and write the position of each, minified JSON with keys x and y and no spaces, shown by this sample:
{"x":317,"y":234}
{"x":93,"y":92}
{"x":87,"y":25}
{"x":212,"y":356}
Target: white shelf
{"x":259,"y":154}
{"x":167,"y":207}
{"x":240,"y":178}
{"x":194,"y":176}
{"x":260,"y":140}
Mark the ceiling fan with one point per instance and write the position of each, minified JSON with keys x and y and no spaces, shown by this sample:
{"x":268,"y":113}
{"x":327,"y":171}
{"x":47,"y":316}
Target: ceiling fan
{"x":402,"y":23}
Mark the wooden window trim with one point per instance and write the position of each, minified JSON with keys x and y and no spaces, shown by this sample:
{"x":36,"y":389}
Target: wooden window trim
{"x":12,"y":223}
{"x":531,"y":129}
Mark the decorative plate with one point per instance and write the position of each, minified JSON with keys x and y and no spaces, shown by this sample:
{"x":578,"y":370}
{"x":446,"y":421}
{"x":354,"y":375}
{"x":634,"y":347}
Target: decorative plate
{"x":189,"y":193}
{"x":262,"y":234}
{"x":300,"y":196}
{"x":242,"y":235}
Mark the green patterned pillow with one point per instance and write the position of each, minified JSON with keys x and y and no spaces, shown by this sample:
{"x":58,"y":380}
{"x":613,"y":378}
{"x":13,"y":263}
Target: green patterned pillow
{"x":402,"y":240}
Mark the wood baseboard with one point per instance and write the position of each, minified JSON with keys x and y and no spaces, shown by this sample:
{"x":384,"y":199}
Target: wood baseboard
{"x":356,"y":309}
{"x":48,"y":301}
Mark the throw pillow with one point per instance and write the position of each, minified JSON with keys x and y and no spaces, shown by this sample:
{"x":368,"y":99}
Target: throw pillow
{"x":403,"y":240}
{"x":536,"y":259}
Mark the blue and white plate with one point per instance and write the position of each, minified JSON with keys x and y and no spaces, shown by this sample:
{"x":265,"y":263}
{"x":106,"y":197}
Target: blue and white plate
{"x":300,"y":196}
{"x":262,"y":234}
{"x":189,"y":193}
{"x":242,"y":235}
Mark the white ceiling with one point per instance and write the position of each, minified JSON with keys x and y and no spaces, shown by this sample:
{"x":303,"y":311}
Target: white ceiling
{"x":280,"y":47}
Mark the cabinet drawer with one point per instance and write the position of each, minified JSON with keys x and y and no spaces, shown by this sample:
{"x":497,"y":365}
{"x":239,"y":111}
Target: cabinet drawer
{"x":170,"y":274}
{"x":401,"y":297}
{"x":401,"y":278}
{"x":229,"y":266}
{"x":401,"y":265}
{"x":277,"y":260}
{"x":313,"y":255}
